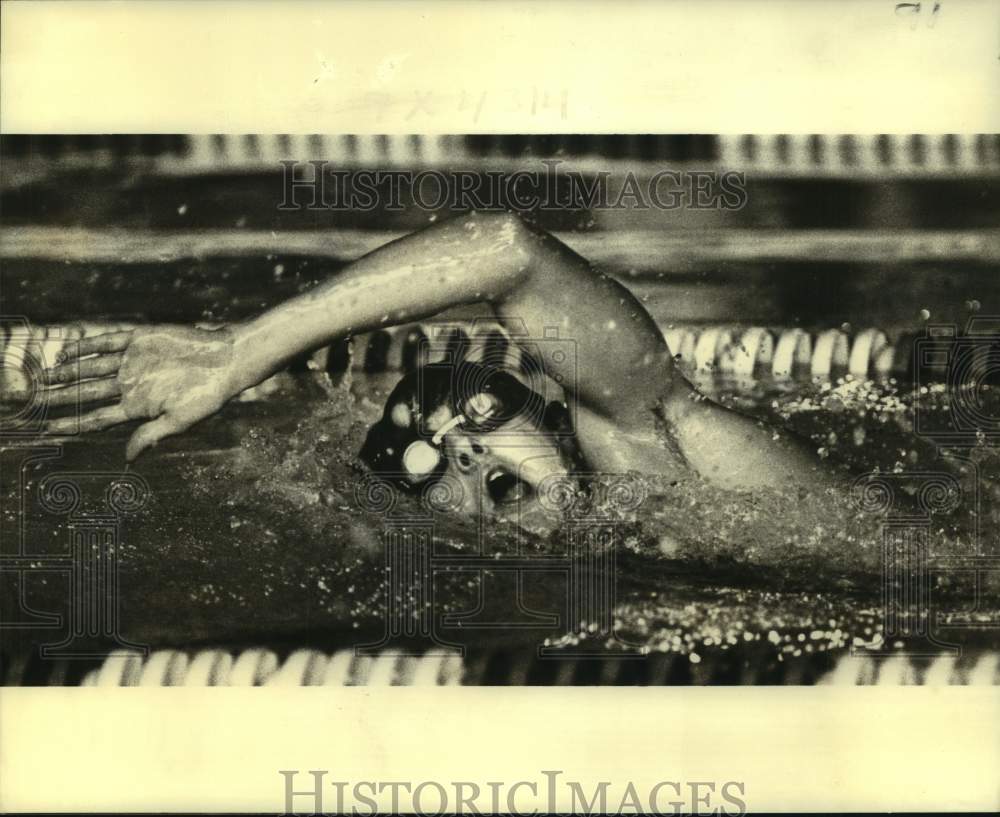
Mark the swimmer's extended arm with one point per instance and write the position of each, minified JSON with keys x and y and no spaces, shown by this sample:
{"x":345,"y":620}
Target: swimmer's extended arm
{"x":622,"y":371}
{"x":621,"y":367}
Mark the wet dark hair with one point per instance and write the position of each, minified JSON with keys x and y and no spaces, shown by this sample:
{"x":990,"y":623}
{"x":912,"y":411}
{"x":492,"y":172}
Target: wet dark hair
{"x":427,"y":388}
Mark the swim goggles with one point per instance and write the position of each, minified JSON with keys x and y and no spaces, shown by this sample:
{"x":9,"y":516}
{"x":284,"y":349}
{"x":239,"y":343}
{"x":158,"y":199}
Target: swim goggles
{"x":421,"y":458}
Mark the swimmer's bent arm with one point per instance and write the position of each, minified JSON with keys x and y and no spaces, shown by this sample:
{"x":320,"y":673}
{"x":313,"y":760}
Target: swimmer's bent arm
{"x":177,"y":375}
{"x":621,"y":371}
{"x":619,"y":363}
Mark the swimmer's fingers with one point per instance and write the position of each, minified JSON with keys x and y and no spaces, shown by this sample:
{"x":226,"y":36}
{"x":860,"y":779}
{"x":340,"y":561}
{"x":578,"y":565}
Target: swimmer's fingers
{"x":96,"y":344}
{"x":89,"y":392}
{"x":96,"y":420}
{"x":149,"y":434}
{"x":71,"y":372}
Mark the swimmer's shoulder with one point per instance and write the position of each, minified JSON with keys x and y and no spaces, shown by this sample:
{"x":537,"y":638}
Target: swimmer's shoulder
{"x":613,"y":447}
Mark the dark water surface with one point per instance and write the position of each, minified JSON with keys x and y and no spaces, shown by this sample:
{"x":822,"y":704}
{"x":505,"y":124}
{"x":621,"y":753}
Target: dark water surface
{"x":253,"y":533}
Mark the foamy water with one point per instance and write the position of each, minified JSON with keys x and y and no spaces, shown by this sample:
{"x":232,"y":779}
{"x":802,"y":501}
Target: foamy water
{"x":788,"y":572}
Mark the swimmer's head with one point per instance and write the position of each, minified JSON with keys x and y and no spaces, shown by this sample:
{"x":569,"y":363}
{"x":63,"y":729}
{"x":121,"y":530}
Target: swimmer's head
{"x":480,"y":426}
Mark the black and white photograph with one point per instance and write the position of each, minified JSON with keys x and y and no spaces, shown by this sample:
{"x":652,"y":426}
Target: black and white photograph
{"x":651,"y":409}
{"x":501,"y":410}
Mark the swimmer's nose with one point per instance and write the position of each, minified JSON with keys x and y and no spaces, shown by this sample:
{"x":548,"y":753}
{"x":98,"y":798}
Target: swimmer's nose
{"x":530,"y":466}
{"x":465,"y":452}
{"x":496,"y":461}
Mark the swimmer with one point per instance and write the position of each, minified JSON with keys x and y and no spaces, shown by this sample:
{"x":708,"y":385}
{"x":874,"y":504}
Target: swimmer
{"x":632,"y":410}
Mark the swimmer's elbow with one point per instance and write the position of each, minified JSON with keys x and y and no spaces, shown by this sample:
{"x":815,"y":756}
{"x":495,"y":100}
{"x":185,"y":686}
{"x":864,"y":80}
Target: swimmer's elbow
{"x":498,"y":222}
{"x":522,"y":252}
{"x":507,"y":232}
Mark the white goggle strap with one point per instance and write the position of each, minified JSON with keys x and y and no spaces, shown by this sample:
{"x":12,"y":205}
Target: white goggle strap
{"x":439,"y":434}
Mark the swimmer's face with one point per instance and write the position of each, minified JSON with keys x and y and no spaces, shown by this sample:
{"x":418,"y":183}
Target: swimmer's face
{"x":491,"y":450}
{"x":503,"y":471}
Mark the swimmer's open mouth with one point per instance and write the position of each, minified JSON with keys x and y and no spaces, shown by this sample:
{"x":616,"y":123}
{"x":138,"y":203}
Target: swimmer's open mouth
{"x":505,"y":489}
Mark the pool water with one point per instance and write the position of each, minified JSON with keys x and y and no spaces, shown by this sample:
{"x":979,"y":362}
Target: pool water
{"x":689,"y":543}
{"x":254,"y":532}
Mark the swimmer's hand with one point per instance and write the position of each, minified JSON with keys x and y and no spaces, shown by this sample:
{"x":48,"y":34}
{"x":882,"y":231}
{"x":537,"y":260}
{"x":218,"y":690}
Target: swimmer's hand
{"x":172,"y":376}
